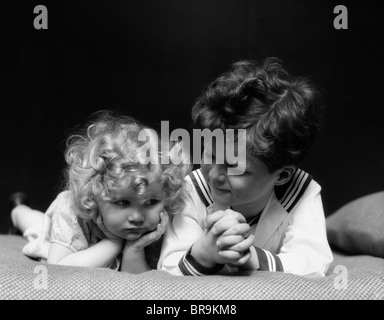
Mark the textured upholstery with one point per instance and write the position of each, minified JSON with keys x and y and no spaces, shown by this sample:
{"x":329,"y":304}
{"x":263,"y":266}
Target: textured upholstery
{"x":19,"y":279}
{"x":358,"y":226}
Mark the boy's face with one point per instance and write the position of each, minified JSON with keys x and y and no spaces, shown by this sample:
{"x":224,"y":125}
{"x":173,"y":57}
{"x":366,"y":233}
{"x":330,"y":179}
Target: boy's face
{"x":128,"y":217}
{"x":247,"y":193}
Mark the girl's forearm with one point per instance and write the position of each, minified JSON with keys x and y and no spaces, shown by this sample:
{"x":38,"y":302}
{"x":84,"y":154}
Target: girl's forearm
{"x":99,"y":255}
{"x":134,"y":261}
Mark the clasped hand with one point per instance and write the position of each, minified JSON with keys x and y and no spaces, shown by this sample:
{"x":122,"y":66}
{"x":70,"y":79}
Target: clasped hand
{"x":225,"y":237}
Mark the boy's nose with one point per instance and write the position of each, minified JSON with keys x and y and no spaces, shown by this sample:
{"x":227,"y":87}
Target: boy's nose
{"x":217,"y":173}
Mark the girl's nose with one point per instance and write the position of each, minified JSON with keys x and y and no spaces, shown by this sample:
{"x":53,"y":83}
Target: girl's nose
{"x":217,"y":173}
{"x":135,"y":216}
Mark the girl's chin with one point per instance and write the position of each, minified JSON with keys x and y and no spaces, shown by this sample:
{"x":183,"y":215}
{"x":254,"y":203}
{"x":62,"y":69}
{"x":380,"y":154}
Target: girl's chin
{"x":133,"y":237}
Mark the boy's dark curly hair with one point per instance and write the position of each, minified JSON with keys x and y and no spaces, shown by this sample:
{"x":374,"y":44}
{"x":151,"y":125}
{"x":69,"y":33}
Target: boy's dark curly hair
{"x":281,"y":113}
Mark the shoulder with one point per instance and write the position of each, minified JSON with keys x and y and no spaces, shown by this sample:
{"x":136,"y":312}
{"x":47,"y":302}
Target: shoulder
{"x":200,"y":186}
{"x":308,"y":207}
{"x":300,"y":187}
{"x":193,"y":206}
{"x":61,"y":200}
{"x":63,"y":210}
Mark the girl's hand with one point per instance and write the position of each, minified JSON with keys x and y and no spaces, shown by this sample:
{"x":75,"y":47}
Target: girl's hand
{"x":148,"y":238}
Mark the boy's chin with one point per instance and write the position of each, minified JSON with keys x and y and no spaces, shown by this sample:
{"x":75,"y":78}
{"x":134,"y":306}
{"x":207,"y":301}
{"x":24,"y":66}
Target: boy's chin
{"x":221,"y":205}
{"x":221,"y":199}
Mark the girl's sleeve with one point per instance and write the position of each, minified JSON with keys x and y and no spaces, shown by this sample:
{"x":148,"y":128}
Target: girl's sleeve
{"x":65,"y":227}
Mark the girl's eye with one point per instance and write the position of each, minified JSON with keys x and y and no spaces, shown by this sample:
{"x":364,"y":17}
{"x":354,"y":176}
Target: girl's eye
{"x":121,"y":203}
{"x":151,"y":202}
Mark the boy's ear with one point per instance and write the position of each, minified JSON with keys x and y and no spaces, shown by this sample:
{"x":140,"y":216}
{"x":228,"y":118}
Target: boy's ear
{"x":285,"y":175}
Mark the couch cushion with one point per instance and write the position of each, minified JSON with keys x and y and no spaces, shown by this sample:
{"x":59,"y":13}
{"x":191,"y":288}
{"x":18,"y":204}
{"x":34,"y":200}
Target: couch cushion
{"x":23,"y":278}
{"x":358,"y":226}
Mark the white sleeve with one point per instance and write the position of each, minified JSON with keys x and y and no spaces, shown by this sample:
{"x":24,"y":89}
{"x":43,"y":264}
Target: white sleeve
{"x":305,"y":250}
{"x":184,"y":229}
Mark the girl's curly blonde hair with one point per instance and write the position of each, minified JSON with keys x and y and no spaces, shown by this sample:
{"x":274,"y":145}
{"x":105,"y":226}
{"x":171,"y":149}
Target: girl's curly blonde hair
{"x":107,"y":155}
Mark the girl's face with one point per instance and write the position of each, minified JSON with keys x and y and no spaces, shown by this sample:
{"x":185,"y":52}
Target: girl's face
{"x":129,"y":217}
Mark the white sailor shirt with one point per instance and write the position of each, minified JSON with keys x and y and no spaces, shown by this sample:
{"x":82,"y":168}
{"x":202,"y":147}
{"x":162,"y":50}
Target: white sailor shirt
{"x":290,"y":234}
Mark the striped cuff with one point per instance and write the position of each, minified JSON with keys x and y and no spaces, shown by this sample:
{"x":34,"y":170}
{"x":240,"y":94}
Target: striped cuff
{"x":268,"y":261}
{"x":190,"y":267}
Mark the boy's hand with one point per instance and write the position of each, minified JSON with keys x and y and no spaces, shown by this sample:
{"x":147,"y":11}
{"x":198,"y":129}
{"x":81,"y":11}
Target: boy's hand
{"x":222,"y":215}
{"x":223,"y":241}
{"x":235,"y":249}
{"x":231,"y":228}
{"x":148,"y":238}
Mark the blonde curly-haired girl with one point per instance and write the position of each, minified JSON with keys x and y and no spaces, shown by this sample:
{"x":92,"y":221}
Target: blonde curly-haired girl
{"x":114,"y":209}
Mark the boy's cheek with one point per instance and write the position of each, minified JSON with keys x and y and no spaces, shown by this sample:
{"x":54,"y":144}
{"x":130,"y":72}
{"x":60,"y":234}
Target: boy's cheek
{"x":205,"y":169}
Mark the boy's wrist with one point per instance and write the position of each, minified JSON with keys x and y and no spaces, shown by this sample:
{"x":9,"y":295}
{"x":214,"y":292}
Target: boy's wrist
{"x":190,"y":266}
{"x":198,"y":252}
{"x":252,"y":263}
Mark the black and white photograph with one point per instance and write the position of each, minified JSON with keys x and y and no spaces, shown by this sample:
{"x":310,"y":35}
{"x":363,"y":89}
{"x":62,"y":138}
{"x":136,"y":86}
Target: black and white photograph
{"x":204,"y":151}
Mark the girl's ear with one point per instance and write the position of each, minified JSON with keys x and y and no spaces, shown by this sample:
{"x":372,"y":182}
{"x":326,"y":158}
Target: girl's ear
{"x":285,"y":175}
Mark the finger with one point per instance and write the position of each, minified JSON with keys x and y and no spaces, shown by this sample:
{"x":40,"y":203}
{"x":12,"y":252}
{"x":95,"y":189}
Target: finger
{"x":164,"y":219}
{"x":148,"y":238}
{"x":223,"y":225}
{"x":223,"y":215}
{"x":230,"y":255}
{"x":228,"y":241}
{"x":240,"y":229}
{"x":236,"y":215}
{"x":163,"y":225}
{"x":243,"y":245}
{"x":230,"y":227}
{"x":213,"y":218}
{"x":247,"y":255}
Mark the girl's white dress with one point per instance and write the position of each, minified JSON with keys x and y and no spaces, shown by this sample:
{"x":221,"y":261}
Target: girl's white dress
{"x":62,"y":225}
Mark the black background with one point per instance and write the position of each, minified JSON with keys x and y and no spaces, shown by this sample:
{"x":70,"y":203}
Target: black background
{"x":151,"y":59}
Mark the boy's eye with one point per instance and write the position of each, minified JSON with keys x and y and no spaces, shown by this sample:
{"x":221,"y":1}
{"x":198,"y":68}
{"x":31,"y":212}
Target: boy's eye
{"x":121,"y":203}
{"x":151,"y":202}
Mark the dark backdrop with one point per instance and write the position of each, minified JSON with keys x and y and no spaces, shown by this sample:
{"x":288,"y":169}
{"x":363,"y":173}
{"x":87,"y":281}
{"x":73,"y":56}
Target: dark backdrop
{"x":152,"y":59}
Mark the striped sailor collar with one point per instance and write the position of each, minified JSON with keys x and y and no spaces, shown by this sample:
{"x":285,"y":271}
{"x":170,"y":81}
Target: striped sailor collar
{"x":281,"y":202}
